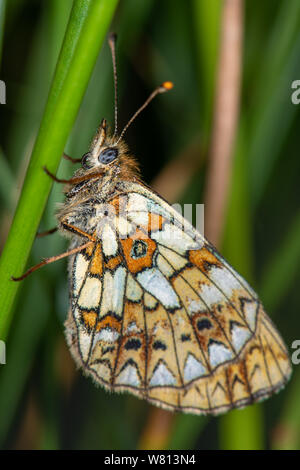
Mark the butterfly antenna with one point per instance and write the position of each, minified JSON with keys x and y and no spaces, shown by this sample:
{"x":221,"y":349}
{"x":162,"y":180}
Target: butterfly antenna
{"x":112,"y":38}
{"x":166,"y":86}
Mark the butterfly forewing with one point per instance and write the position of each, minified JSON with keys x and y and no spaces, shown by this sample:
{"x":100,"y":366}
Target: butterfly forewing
{"x":157,"y":311}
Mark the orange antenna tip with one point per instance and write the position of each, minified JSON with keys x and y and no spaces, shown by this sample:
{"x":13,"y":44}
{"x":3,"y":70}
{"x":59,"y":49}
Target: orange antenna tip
{"x":167,"y":86}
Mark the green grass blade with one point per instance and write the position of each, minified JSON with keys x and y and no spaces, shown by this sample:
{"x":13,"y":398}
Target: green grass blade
{"x":86,"y":30}
{"x":242,"y":429}
{"x":237,"y":248}
{"x":287,"y":435}
{"x":206,"y":19}
{"x":21,"y":351}
{"x":185,"y":432}
{"x":272,"y":96}
{"x":28,"y":100}
{"x":56,"y":13}
{"x":7,"y":185}
{"x":207,"y":33}
{"x":237,"y":238}
{"x":280,"y":272}
{"x":277,"y":279}
{"x":2,"y":21}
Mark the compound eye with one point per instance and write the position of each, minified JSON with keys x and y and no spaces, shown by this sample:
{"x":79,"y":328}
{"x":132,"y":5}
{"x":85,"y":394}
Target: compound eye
{"x":85,"y":161}
{"x":108,"y":155}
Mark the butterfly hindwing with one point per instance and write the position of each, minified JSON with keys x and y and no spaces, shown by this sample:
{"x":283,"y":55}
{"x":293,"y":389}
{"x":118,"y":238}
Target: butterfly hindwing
{"x":157,"y":311}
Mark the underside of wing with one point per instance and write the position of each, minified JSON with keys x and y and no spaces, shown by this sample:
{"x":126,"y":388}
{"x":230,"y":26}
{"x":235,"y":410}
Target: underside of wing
{"x":156,"y":311}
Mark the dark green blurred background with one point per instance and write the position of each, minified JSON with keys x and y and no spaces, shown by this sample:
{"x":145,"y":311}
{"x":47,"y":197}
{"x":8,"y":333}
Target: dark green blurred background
{"x":44,"y":402}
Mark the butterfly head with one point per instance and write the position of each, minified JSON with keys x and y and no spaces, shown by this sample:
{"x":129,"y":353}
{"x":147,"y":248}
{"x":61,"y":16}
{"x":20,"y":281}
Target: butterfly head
{"x":103,"y":152}
{"x":108,"y":155}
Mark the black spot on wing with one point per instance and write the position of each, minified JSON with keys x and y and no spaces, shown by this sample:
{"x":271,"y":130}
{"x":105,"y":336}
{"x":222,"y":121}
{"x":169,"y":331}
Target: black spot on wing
{"x":185,"y":337}
{"x":159,"y":345}
{"x":133,"y":344}
{"x":204,"y":324}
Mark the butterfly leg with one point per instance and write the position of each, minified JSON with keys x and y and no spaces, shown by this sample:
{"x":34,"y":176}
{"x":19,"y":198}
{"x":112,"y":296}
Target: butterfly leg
{"x":53,"y":177}
{"x":77,"y":231}
{"x":73,"y":180}
{"x":70,"y":159}
{"x":70,"y":228}
{"x":48,"y":232}
{"x":51,"y":260}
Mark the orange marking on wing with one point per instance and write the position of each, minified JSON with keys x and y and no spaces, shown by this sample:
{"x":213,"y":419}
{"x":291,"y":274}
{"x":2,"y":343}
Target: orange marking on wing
{"x":89,"y":250}
{"x":89,"y":319}
{"x":97,"y":261}
{"x":132,"y":312}
{"x":155,"y":222}
{"x":111,"y":322}
{"x":116,"y":204}
{"x":136,"y":265}
{"x":203,"y":258}
{"x":113,"y":262}
{"x":212,"y":331}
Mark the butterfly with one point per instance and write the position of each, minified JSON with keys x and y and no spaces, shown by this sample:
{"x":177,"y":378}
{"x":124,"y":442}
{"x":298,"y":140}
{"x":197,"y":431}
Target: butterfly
{"x":155,"y":310}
